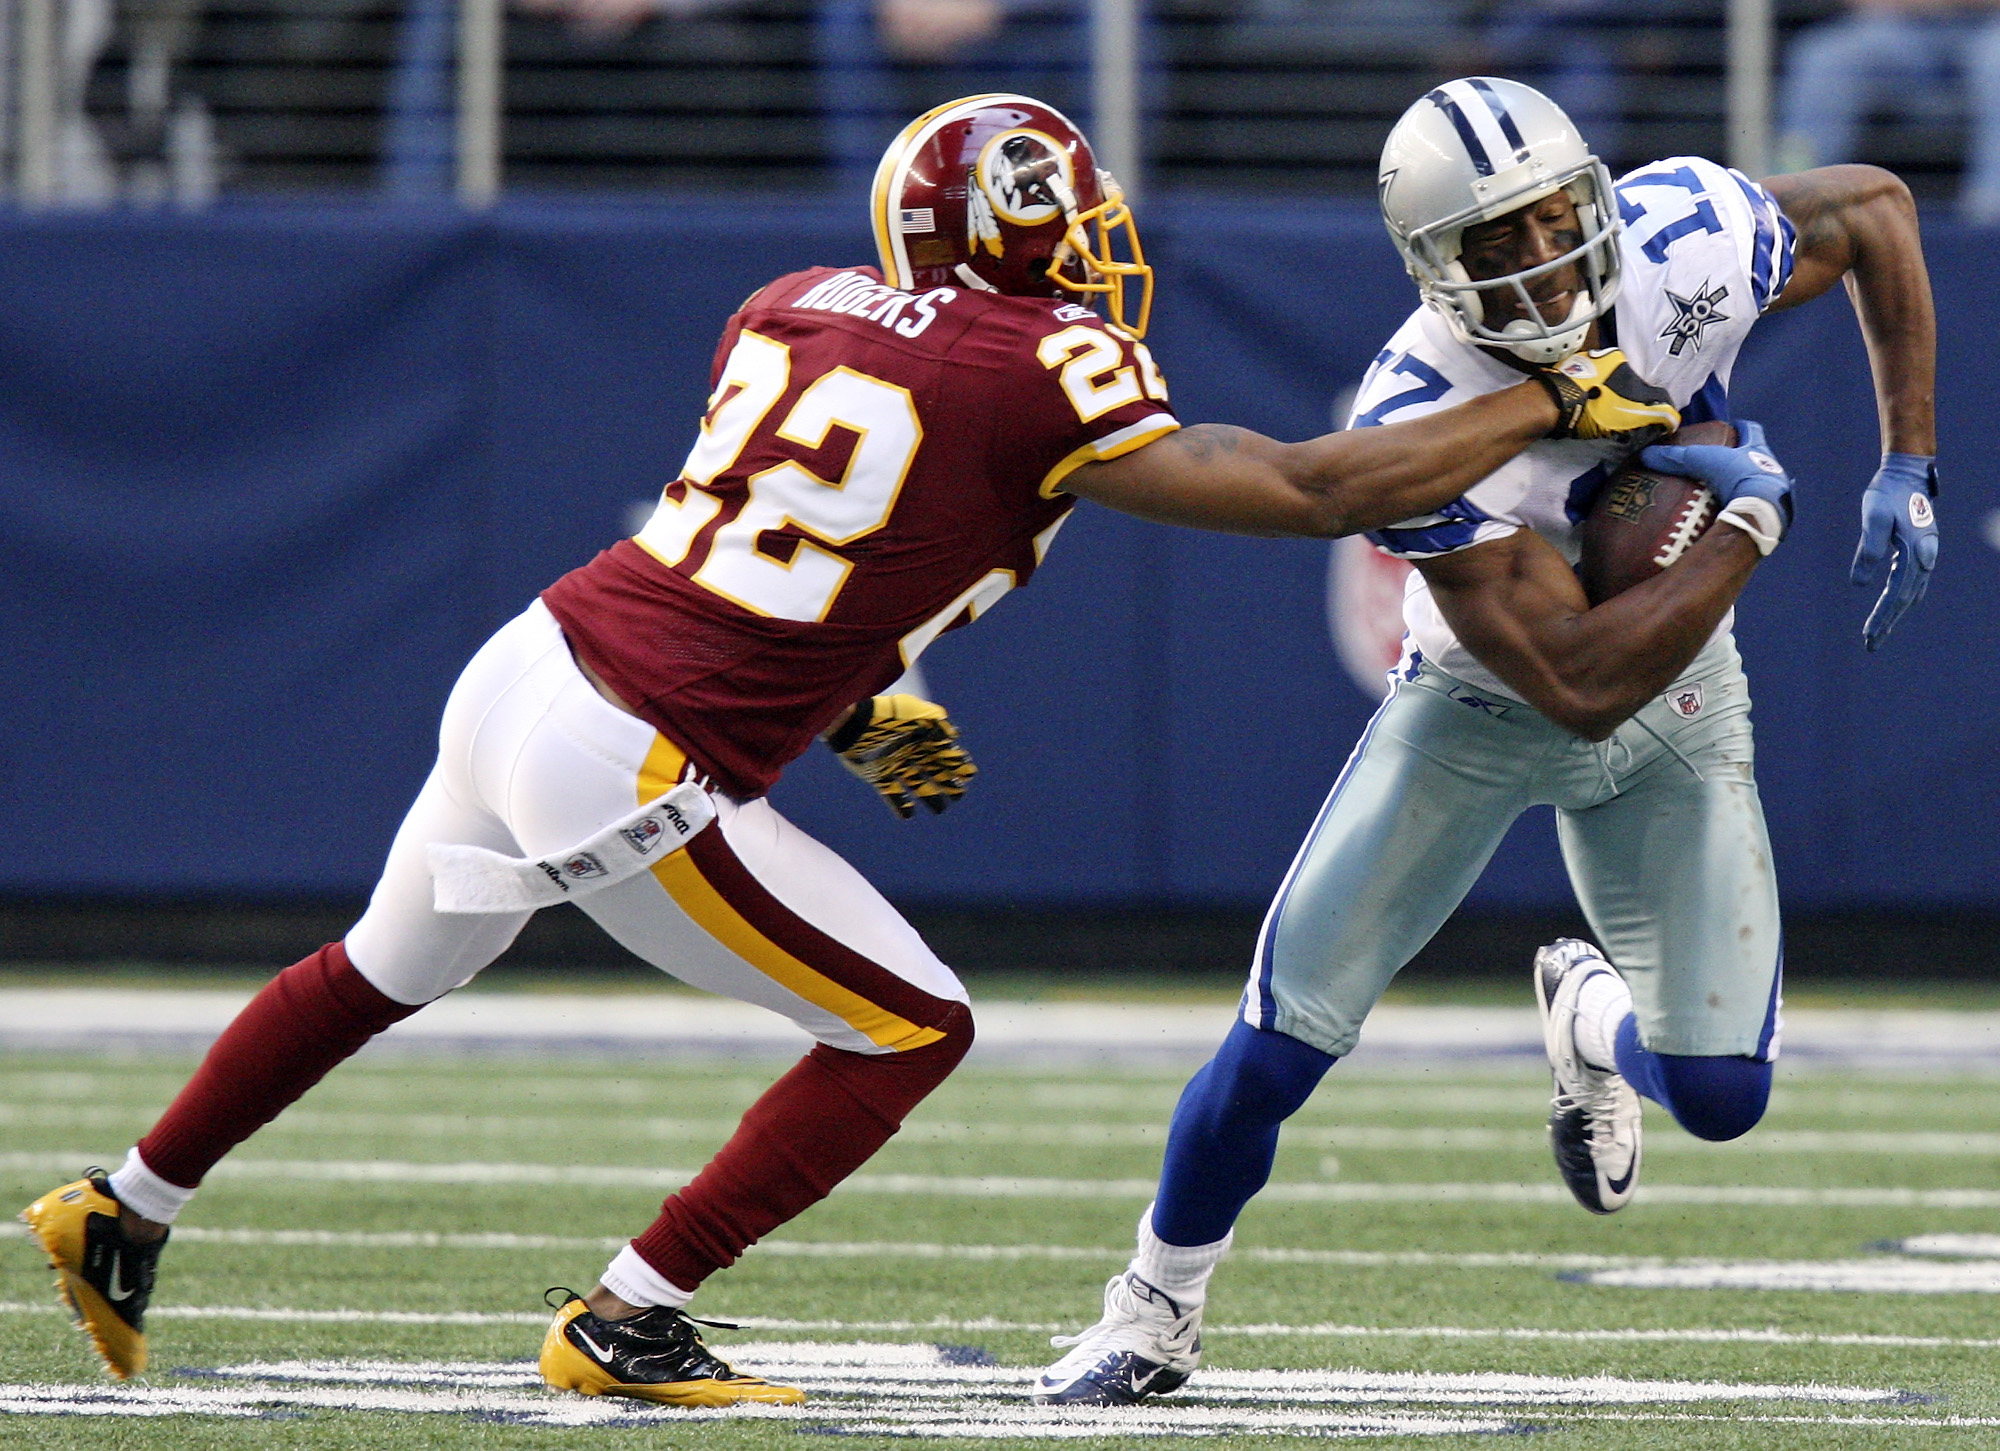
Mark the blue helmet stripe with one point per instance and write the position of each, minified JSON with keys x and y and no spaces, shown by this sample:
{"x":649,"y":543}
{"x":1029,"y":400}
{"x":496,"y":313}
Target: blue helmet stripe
{"x":1481,"y":162}
{"x":1501,"y":114}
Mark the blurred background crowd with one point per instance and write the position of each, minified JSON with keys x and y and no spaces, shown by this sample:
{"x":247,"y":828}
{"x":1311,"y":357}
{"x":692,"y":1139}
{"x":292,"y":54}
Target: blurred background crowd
{"x":191,"y":98}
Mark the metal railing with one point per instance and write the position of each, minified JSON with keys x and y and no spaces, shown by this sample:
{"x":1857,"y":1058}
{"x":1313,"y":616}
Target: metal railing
{"x":1211,"y":116}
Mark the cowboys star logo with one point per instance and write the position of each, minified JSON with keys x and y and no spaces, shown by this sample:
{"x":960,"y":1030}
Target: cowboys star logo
{"x":1693,"y":316}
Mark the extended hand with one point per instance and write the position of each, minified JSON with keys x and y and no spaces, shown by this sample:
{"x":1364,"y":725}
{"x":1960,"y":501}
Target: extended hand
{"x":1756,"y":491}
{"x":1597,"y":395}
{"x":905,"y":747}
{"x":1897,"y":524}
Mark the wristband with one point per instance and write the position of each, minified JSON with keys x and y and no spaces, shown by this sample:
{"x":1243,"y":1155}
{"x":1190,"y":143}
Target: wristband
{"x":1759,"y":518}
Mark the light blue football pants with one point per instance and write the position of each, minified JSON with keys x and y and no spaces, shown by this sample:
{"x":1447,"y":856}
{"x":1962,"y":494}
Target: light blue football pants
{"x":1660,"y":826}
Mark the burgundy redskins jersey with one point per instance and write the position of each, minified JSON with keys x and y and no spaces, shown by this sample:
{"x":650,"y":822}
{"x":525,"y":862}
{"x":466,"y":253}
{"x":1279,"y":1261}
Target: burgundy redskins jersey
{"x":875,"y":467}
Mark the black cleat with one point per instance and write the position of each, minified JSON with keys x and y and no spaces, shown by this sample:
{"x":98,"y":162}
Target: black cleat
{"x":656,"y":1355}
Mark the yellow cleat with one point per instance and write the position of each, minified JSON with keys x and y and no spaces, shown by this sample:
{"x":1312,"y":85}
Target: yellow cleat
{"x":656,"y":1356}
{"x":104,"y":1278}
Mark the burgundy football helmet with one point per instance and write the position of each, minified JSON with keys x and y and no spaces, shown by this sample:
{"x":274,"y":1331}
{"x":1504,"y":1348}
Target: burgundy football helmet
{"x":1002,"y":193}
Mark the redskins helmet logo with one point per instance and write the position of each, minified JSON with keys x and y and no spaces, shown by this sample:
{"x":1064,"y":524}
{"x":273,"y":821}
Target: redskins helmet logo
{"x":1026,"y":177}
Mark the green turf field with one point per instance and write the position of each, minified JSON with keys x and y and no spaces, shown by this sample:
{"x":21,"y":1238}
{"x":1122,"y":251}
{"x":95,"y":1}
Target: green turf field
{"x":397,"y":1229}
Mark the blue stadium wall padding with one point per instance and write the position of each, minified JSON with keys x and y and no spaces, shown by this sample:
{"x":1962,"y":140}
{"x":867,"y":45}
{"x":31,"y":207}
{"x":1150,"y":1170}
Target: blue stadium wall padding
{"x":268,"y":475}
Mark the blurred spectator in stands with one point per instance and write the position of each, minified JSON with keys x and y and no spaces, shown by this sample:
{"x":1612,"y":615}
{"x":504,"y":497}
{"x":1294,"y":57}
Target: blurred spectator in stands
{"x":1930,"y":60}
{"x":1581,"y":54}
{"x":1426,"y":30}
{"x":883,"y":61}
{"x":159,"y":142}
{"x":420,"y":138}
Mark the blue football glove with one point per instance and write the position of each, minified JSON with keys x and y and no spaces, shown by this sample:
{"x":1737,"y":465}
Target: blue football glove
{"x":1748,"y":470}
{"x":1899,"y":525}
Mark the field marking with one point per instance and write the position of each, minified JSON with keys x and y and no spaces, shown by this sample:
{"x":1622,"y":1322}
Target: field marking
{"x":934,"y":1390}
{"x":859,"y":1366}
{"x":1930,"y":1275}
{"x":1868,"y":1277}
{"x":1959,"y":1246}
{"x":946,"y":1325}
{"x":1423,"y":1138}
{"x":380,"y":1171}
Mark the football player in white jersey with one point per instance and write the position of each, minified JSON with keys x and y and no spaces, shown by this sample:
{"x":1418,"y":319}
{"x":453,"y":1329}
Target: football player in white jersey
{"x":1631,"y":718}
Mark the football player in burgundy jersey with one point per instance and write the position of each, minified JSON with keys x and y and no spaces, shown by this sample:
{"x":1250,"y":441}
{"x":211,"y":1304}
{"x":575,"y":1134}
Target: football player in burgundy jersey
{"x":885,"y":454}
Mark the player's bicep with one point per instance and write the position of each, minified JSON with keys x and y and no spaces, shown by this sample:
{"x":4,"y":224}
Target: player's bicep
{"x":1507,"y":600}
{"x":1817,"y":203}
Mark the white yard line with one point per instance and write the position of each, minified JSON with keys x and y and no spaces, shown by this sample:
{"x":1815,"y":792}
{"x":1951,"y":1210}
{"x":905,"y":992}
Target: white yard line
{"x":1412,"y":1138}
{"x":1868,"y":1277}
{"x":929,"y":1390}
{"x":389,"y":1171}
{"x":942,"y":1325}
{"x":1950,"y":1246}
{"x":91,"y":1018}
{"x":886,"y":1249}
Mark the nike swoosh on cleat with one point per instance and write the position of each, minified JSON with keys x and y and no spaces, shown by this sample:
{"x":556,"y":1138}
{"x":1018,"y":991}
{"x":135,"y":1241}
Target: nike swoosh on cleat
{"x":595,"y":1349}
{"x":113,"y":1291}
{"x":1619,"y":1186}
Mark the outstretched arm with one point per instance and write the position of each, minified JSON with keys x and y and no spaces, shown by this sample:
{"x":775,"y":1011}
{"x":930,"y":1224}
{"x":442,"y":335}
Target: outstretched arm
{"x":1857,"y":224}
{"x":1213,"y":476}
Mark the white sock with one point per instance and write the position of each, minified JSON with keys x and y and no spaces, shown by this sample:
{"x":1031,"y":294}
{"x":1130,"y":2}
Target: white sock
{"x":1181,"y":1271}
{"x":1602,"y":1006}
{"x":145,"y":1193}
{"x":635,"y":1282}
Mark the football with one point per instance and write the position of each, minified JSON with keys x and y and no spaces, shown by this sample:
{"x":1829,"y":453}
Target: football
{"x":1642,"y":521}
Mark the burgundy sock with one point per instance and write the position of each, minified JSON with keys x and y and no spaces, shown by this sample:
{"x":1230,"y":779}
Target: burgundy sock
{"x":810,"y":1130}
{"x":309,"y":1017}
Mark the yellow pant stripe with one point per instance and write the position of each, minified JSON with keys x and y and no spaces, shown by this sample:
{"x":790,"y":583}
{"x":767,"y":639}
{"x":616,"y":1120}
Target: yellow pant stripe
{"x":712,"y":912}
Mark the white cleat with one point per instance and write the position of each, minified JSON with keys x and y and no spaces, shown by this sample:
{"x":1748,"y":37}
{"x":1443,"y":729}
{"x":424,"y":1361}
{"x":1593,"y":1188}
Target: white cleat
{"x":1146,"y":1345}
{"x":1594,"y":1116}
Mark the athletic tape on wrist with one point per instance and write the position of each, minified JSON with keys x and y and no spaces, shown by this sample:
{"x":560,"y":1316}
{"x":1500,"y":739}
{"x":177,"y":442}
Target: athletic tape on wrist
{"x":471,"y":879}
{"x":1759,"y":518}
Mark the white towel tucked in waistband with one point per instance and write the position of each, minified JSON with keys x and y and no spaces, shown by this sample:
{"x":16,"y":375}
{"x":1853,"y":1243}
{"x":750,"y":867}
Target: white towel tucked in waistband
{"x":472,"y":879}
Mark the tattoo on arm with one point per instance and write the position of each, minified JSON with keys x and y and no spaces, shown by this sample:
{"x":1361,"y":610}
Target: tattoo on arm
{"x":1203,"y":441}
{"x":1817,"y":203}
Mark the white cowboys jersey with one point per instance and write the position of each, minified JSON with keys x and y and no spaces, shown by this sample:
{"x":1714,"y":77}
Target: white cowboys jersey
{"x":1705,"y":251}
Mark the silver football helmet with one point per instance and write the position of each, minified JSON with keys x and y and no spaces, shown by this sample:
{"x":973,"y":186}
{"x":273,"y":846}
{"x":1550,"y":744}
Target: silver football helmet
{"x":1476,"y":149}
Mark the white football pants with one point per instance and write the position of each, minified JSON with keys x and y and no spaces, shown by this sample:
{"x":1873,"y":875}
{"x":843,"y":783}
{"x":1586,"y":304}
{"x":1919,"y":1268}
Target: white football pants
{"x":532,"y":760}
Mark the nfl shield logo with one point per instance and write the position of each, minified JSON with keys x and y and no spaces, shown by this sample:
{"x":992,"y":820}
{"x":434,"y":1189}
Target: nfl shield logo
{"x":584,"y":865}
{"x":1686,"y":702}
{"x":643,"y":834}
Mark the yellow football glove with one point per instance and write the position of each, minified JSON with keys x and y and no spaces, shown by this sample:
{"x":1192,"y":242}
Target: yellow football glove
{"x":1598,"y":396}
{"x":905,"y":748}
